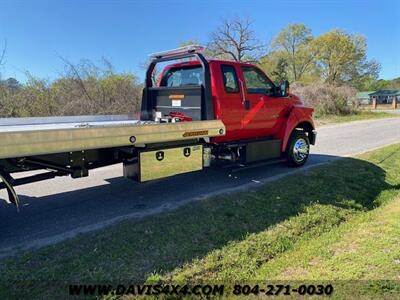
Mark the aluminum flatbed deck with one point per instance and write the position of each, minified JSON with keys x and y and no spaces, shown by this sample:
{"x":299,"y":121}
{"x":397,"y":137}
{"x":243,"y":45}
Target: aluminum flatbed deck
{"x":21,"y":137}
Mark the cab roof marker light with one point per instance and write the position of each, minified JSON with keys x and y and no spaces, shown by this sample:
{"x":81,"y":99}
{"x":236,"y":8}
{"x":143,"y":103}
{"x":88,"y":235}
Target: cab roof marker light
{"x":178,"y":51}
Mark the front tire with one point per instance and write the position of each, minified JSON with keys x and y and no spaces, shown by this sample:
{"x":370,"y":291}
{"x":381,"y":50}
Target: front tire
{"x":298,"y":149}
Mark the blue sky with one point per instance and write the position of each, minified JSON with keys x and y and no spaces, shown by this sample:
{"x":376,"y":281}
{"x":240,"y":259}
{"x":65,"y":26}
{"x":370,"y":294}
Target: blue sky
{"x":38,"y":32}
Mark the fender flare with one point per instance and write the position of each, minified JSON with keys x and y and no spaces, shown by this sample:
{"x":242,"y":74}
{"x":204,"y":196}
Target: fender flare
{"x":297,"y":119}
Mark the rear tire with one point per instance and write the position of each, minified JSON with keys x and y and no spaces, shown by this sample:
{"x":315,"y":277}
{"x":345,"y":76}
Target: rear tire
{"x":298,"y":149}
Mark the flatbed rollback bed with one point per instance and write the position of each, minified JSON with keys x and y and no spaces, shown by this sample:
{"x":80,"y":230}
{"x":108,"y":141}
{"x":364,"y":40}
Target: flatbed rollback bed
{"x":199,"y":111}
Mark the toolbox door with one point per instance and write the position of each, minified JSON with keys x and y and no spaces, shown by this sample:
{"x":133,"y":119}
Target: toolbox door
{"x":168,"y":162}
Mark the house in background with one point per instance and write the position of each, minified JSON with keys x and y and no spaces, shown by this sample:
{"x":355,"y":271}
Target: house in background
{"x":381,"y":96}
{"x":385,"y":96}
{"x":363,"y":97}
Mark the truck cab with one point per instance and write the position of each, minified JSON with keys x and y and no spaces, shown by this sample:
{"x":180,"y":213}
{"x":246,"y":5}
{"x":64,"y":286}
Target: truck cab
{"x":252,"y":108}
{"x":244,"y":98}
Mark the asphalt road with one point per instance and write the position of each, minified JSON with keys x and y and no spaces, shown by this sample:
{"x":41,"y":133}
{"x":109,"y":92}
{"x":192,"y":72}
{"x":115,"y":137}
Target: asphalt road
{"x":60,"y":208}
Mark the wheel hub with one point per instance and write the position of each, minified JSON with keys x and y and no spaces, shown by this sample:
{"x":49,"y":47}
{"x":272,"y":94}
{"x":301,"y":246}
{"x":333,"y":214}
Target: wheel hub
{"x":300,"y":150}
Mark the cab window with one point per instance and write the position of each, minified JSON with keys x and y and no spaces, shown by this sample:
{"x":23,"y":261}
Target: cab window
{"x":256,"y":81}
{"x":186,"y":76}
{"x":230,"y":79}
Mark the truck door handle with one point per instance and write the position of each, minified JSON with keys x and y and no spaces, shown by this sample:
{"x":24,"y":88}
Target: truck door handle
{"x":246,"y":104}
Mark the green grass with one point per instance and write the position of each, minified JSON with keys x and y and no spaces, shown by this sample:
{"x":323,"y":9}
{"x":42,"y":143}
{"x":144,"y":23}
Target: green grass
{"x":366,"y":248}
{"x":361,"y":115}
{"x":276,"y":231}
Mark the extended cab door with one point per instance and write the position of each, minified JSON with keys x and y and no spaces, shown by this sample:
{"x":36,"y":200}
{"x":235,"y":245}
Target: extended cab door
{"x":262,"y":110}
{"x":229,"y":105}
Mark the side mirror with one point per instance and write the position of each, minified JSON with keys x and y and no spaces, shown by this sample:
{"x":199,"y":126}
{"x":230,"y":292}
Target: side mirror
{"x":284,"y":88}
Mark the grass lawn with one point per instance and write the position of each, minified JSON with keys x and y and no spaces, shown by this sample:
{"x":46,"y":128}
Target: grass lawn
{"x":337,"y":221}
{"x":365,"y":248}
{"x":361,"y":115}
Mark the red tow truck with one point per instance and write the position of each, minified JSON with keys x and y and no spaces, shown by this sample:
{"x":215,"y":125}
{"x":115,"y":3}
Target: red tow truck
{"x":199,"y":111}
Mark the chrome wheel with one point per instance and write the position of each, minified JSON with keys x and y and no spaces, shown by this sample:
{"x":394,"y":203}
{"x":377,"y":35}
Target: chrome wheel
{"x":300,"y":150}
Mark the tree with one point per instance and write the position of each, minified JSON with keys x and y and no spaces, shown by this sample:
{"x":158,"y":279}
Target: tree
{"x":372,"y":84}
{"x":293,"y":41}
{"x":280,"y":73}
{"x":11,"y":83}
{"x":341,"y":57}
{"x":276,"y":66}
{"x":235,"y":40}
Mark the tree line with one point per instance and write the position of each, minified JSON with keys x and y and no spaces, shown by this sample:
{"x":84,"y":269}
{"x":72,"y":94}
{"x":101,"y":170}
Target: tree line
{"x":80,"y":89}
{"x":335,"y":57}
{"x":326,"y":70}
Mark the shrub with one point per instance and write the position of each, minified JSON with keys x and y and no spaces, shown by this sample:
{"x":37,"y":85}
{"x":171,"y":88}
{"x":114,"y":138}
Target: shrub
{"x":83,"y":89}
{"x":327,"y":99}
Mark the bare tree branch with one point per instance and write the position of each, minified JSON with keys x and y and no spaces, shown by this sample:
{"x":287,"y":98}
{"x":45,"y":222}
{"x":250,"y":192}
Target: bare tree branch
{"x":155,"y":76}
{"x":78,"y":77}
{"x":235,"y":40}
{"x":3,"y":53}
